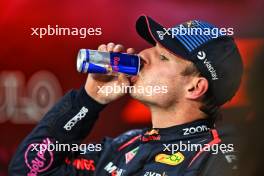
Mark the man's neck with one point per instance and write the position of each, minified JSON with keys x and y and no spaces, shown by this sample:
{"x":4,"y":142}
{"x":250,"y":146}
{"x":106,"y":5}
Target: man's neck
{"x":177,"y":115}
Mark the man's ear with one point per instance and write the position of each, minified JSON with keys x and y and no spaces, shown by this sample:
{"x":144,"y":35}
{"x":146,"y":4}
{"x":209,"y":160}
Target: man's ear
{"x":197,"y":88}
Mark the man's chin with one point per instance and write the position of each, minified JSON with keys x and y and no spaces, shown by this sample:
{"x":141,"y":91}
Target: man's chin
{"x":140,"y":97}
{"x":137,"y":96}
{"x":133,"y":94}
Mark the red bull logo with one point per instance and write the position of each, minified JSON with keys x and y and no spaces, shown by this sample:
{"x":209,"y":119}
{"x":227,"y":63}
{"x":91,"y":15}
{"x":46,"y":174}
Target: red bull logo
{"x":116,"y":63}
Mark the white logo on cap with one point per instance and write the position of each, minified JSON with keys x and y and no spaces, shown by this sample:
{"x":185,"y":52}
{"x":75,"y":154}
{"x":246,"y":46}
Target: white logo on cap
{"x":201,"y":55}
{"x":161,"y":35}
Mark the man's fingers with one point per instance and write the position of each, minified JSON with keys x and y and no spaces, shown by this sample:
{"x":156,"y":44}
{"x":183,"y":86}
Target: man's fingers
{"x":102,"y":47}
{"x":110,"y":46}
{"x":118,"y":48}
{"x":102,"y":78}
{"x":131,"y":51}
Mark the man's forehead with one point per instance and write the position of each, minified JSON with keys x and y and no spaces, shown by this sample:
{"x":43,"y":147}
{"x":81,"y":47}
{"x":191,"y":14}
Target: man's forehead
{"x":163,"y":50}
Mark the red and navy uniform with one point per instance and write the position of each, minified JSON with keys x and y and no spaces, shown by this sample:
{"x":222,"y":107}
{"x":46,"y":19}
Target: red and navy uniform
{"x":144,"y":152}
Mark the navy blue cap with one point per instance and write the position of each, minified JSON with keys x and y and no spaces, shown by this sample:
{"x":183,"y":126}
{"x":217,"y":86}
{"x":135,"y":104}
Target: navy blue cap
{"x":214,"y":53}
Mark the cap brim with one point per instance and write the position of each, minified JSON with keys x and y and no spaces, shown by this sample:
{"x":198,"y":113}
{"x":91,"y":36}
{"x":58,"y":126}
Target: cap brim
{"x":148,"y":29}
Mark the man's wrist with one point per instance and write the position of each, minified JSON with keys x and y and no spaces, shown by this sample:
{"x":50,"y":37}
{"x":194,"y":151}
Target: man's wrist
{"x":85,"y":99}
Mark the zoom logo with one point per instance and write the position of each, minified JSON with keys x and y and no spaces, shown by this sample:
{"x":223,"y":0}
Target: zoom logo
{"x":193,"y":130}
{"x":75,"y":119}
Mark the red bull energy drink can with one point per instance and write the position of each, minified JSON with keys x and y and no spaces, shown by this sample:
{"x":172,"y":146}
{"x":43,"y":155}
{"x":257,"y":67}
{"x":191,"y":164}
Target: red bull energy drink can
{"x":112,"y":63}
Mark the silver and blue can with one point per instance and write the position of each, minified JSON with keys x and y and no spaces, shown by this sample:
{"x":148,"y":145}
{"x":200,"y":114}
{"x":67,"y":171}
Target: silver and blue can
{"x":93,"y":61}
